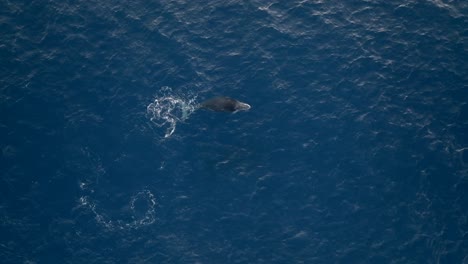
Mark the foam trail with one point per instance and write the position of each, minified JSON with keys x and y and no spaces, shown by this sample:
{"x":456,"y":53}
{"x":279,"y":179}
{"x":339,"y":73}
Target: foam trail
{"x":170,"y":108}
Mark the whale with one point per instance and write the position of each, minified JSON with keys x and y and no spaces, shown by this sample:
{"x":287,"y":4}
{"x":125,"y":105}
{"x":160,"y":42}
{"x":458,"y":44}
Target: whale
{"x":224,"y":104}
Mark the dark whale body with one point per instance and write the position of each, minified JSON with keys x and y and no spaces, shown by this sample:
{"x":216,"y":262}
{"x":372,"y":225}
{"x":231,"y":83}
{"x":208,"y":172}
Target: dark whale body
{"x":224,"y":104}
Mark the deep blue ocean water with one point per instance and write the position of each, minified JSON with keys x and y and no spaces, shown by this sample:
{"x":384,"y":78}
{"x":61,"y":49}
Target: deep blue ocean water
{"x":355,"y":149}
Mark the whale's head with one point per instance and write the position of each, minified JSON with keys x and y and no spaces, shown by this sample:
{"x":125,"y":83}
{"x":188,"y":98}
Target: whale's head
{"x":240,"y":106}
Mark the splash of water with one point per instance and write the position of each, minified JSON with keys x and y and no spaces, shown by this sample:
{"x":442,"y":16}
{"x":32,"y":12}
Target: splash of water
{"x":169,"y":108}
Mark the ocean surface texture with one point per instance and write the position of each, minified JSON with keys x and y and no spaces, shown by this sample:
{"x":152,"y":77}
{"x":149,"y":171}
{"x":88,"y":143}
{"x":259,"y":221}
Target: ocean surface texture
{"x":355,"y":149}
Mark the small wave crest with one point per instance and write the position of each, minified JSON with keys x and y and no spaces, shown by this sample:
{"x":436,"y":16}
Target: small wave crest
{"x":169,"y":108}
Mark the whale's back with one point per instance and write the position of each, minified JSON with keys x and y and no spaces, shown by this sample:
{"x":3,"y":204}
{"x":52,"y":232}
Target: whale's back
{"x":224,"y":104}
